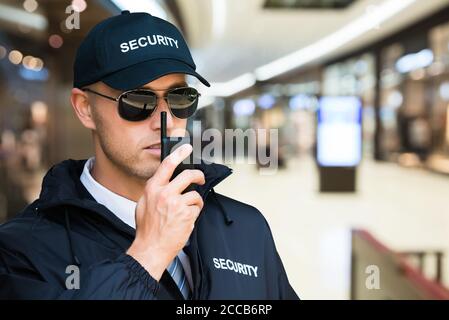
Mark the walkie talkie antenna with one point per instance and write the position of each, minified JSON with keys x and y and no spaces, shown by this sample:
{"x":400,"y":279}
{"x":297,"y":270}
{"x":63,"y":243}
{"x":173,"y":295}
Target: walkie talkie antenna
{"x":163,"y":124}
{"x":163,"y":134}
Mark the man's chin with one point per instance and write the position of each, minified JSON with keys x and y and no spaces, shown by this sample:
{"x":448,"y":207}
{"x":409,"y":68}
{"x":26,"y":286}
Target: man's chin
{"x":149,"y":158}
{"x":146,"y":168}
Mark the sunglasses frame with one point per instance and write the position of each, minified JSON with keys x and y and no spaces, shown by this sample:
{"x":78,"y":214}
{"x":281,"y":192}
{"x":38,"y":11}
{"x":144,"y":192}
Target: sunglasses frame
{"x":165,"y":97}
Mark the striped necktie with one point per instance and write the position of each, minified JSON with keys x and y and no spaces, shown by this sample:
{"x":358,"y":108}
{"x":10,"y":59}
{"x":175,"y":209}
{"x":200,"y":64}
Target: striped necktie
{"x":178,"y":274}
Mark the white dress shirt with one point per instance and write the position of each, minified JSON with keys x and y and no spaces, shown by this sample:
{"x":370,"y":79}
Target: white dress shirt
{"x":123,"y":208}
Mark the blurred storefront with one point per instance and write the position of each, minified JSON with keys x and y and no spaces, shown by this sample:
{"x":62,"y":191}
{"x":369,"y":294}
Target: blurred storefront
{"x":414,"y":98}
{"x":402,"y":82}
{"x":37,"y":127}
{"x":288,"y":106}
{"x":439,"y":88}
{"x":406,"y":99}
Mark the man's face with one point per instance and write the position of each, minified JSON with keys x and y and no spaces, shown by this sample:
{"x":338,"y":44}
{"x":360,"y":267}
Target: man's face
{"x":134,"y":147}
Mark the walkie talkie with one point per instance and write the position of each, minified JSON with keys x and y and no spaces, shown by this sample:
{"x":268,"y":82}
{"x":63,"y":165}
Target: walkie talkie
{"x":170,"y":144}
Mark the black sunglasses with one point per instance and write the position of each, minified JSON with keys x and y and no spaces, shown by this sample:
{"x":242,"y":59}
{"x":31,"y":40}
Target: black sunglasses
{"x":139,"y":104}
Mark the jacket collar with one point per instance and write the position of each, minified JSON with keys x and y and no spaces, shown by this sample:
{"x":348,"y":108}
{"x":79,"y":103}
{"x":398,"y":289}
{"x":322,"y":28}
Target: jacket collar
{"x":61,"y":186}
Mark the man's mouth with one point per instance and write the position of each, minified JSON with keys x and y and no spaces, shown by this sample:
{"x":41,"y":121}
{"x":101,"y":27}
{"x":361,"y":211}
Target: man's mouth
{"x":154,"y":149}
{"x":154,"y":146}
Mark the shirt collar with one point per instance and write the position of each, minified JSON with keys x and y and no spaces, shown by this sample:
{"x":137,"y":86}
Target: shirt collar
{"x":122,"y":207}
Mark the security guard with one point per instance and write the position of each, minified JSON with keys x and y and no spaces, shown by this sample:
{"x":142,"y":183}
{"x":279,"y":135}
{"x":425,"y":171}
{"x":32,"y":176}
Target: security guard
{"x":116,"y":226}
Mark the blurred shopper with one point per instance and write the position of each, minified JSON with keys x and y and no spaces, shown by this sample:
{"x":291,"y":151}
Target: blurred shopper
{"x":420,"y":137}
{"x":115,"y":226}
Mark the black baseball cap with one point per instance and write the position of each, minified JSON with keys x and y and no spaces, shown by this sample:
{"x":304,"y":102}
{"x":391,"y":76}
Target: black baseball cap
{"x":130,"y":50}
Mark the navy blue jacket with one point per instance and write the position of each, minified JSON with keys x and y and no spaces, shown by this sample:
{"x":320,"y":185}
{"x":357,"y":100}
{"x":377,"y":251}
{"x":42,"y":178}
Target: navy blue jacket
{"x":66,"y":235}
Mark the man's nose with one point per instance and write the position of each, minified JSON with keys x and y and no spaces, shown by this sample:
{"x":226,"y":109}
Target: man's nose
{"x":155,"y":119}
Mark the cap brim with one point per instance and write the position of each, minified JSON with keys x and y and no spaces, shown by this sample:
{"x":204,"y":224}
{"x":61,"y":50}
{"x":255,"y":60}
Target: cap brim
{"x":140,"y":74}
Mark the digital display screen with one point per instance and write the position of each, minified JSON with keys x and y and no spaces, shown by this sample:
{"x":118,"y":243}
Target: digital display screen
{"x":339,"y":132}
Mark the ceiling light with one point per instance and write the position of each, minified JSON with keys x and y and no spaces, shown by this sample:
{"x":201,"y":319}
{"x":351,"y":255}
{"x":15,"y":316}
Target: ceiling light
{"x":218,"y":17}
{"x":152,"y":7}
{"x":30,"y":5}
{"x":79,"y":5}
{"x":415,"y":61}
{"x":356,"y":28}
{"x":55,"y":41}
{"x":244,"y":107}
{"x":266,"y":101}
{"x":15,"y":15}
{"x":229,"y":88}
{"x":15,"y":57}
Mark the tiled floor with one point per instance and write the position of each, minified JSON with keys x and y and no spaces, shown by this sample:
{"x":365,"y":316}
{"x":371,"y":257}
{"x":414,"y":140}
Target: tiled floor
{"x":406,"y":209}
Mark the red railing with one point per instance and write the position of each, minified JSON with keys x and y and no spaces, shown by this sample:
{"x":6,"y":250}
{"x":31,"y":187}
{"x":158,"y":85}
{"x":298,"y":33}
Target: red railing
{"x":404,"y":273}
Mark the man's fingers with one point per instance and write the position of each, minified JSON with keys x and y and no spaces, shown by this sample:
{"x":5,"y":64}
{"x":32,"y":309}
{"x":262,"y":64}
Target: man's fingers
{"x":169,"y":164}
{"x":192,"y":198}
{"x":185,"y":178}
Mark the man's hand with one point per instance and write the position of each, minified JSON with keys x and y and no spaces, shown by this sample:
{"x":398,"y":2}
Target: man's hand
{"x":164,"y":216}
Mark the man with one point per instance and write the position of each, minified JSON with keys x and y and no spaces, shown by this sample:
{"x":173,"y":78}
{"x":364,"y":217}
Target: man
{"x":116,"y":226}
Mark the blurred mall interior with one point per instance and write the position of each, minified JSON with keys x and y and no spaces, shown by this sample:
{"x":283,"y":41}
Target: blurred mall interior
{"x":357,"y":89}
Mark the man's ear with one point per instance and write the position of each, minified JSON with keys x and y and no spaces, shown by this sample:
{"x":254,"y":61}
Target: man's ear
{"x":82,"y":108}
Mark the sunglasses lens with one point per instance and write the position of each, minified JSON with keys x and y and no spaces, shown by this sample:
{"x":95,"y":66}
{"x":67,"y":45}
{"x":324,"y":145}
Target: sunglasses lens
{"x":137,"y":105}
{"x":183,"y":102}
